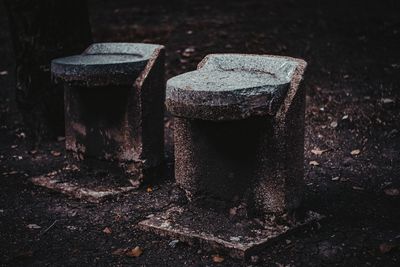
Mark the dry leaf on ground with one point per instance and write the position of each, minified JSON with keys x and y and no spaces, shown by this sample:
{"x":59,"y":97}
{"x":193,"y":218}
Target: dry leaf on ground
{"x":386,"y":247}
{"x":392,"y":191}
{"x":217,"y":258}
{"x":135,"y":252}
{"x":358,"y":188}
{"x":318,"y":151}
{"x":387,"y":100}
{"x":107,"y":230}
{"x":55,"y":153}
{"x":33,"y":226}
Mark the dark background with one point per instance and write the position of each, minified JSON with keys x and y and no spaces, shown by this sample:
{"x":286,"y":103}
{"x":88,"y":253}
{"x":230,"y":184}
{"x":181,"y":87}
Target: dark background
{"x":353,"y":52}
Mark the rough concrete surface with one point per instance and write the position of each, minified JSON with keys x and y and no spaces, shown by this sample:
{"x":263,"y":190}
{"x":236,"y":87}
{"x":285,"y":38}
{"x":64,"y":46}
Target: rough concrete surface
{"x":109,"y":118}
{"x":104,"y":64}
{"x":231,"y":86}
{"x":222,"y":233}
{"x":352,"y":104}
{"x":264,"y":170}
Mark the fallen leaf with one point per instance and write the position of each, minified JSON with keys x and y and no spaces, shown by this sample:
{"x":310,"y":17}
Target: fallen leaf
{"x":71,"y":227}
{"x":107,"y":230}
{"x":358,"y":188}
{"x":386,"y":247}
{"x":392,"y":191}
{"x":149,"y":190}
{"x":135,"y":252}
{"x":233,"y":211}
{"x":118,"y":217}
{"x":60,"y":138}
{"x":345,"y":117}
{"x":51,"y":174}
{"x":314,"y":163}
{"x":318,"y":151}
{"x":188,"y":51}
{"x":33,"y":226}
{"x":217,"y":258}
{"x":134,"y":183}
{"x":387,"y":100}
{"x":355,"y":152}
{"x":335,"y":178}
{"x":55,"y":153}
{"x":334,"y":124}
{"x":254,"y":259}
{"x":21,"y":135}
{"x":71,"y":167}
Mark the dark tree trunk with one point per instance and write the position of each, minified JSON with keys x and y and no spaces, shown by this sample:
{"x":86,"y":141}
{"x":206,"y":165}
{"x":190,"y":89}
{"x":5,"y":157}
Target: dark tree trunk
{"x":42,"y":30}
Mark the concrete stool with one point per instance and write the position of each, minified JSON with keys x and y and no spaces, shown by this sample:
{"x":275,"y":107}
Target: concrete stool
{"x":114,"y":107}
{"x":239,"y":131}
{"x":239,"y":143}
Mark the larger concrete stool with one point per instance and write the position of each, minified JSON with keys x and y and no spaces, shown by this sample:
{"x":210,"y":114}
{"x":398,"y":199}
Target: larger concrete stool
{"x":114,"y":107}
{"x":239,"y":144}
{"x":239,"y":130}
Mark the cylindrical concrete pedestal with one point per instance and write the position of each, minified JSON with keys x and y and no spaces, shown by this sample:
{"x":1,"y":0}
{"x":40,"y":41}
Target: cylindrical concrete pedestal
{"x":240,"y":141}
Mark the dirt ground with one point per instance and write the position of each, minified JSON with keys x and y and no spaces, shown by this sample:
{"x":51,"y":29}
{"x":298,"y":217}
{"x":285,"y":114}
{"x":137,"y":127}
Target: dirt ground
{"x":352,"y":136}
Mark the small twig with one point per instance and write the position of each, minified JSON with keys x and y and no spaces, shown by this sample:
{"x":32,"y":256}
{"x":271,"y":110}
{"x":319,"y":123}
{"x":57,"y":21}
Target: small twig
{"x":48,"y":228}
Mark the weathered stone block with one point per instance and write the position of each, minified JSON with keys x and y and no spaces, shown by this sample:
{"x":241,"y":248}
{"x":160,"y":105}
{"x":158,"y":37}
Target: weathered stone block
{"x":114,"y":106}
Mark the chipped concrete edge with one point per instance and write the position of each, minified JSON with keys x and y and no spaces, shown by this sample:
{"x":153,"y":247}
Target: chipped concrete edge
{"x":212,"y":243}
{"x":207,"y":241}
{"x":156,"y":58}
{"x":149,"y":66}
{"x":77,"y":191}
{"x":294,"y":86}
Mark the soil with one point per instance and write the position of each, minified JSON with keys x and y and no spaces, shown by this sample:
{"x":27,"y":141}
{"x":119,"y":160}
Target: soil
{"x":352,"y":121}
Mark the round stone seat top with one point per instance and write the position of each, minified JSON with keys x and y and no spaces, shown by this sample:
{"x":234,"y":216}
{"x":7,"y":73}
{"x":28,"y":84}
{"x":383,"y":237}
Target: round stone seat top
{"x":104,"y":64}
{"x":231,"y":86}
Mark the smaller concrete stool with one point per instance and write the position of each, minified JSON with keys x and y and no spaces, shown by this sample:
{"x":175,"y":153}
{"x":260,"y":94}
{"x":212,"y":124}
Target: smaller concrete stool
{"x":114,"y":95}
{"x":239,"y":132}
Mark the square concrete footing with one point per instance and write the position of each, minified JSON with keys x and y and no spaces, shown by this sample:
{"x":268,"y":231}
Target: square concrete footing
{"x":216,"y":232}
{"x":89,"y":186}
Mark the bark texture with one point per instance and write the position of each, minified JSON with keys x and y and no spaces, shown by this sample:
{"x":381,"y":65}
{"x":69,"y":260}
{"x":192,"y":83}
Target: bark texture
{"x":42,"y":30}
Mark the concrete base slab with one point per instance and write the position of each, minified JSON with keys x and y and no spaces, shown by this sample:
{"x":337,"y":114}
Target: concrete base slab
{"x":221,"y":233}
{"x":93,"y":191}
